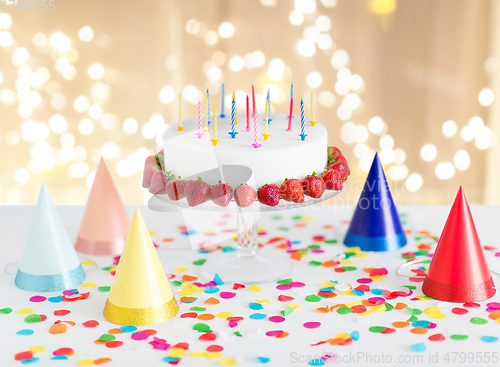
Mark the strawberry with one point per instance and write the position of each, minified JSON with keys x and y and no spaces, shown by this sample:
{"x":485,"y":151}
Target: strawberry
{"x":291,"y":190}
{"x":269,"y":194}
{"x":151,"y":161}
{"x":313,"y":186}
{"x":197,"y":192}
{"x":149,"y":171}
{"x":342,"y":168}
{"x":158,"y":182}
{"x":334,"y":156}
{"x":332,"y":179}
{"x":244,"y":195}
{"x":221,"y":194}
{"x":175,"y":189}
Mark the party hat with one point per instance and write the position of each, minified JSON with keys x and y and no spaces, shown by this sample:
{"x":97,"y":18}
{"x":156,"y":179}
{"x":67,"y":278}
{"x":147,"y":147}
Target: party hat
{"x":141,"y":293}
{"x":105,"y":223}
{"x":375,"y":225}
{"x":459,"y":271}
{"x":49,"y":261}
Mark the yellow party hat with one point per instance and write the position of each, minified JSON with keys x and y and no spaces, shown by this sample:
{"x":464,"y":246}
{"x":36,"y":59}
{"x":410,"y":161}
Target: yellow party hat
{"x":141,"y":293}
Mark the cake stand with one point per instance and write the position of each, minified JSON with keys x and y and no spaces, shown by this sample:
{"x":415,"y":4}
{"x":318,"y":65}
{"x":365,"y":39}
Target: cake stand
{"x":247,"y":265}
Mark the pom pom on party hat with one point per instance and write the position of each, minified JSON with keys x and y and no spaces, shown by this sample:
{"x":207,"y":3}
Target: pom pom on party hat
{"x":49,"y":261}
{"x":105,"y":223}
{"x":458,"y":271}
{"x":141,"y":293}
{"x":375,"y":225}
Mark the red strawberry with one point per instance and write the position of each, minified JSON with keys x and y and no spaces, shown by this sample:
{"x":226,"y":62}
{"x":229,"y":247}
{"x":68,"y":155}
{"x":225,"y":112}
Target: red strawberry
{"x":175,"y":189}
{"x":342,"y":168}
{"x":197,"y":192}
{"x":151,"y":161}
{"x":149,"y":171}
{"x":244,"y":196}
{"x":291,"y":190}
{"x":221,"y":194}
{"x":332,"y":179}
{"x":269,"y":195}
{"x":158,"y":183}
{"x":313,"y":186}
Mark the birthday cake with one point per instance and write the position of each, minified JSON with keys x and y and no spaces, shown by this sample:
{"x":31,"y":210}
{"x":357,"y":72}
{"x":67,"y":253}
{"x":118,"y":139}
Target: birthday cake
{"x":202,"y":161}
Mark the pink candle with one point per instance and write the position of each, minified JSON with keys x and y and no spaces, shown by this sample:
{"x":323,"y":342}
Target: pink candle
{"x":290,"y":117}
{"x":199,"y":133}
{"x":255,"y":132}
{"x":253,"y":100}
{"x":248,"y":114}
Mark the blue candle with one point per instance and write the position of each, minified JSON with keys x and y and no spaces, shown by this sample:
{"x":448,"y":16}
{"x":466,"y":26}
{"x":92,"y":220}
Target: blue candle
{"x":233,"y":118}
{"x":222,"y":109}
{"x":302,"y":121}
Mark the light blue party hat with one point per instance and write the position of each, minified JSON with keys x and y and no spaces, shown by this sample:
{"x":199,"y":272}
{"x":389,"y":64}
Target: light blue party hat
{"x":49,"y":261}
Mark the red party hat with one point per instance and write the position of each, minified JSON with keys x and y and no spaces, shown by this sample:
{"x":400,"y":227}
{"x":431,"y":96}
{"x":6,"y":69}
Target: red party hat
{"x":105,"y":223}
{"x":459,"y":271}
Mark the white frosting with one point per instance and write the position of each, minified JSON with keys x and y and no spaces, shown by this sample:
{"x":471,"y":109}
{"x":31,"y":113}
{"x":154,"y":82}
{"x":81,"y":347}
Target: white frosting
{"x":283,"y":155}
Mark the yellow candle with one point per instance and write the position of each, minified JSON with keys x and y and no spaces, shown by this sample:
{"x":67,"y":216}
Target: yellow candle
{"x":180,"y":128}
{"x":214,"y":130}
{"x":312,"y":110}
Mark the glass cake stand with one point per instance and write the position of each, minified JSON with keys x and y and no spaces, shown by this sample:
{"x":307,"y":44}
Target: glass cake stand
{"x":247,"y":265}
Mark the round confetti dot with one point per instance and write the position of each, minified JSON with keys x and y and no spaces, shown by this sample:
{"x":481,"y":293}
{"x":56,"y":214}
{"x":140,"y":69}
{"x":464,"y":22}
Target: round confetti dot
{"x":377,"y":329}
{"x":228,"y":362}
{"x":85,"y":362}
{"x":25,"y":311}
{"x":114,"y":344}
{"x":312,"y":325}
{"x":211,"y":290}
{"x":459,"y":337}
{"x":90,"y":323}
{"x":58,"y":329}
{"x":38,"y":349}
{"x":25,"y":332}
{"x":201,"y":327}
{"x":214,"y":355}
{"x":419,"y":347}
{"x":400,"y":324}
{"x":140,"y":335}
{"x":22,"y":356}
{"x":255,"y":306}
{"x":128,"y":329}
{"x":459,"y":311}
{"x":421,"y":323}
{"x":181,"y":270}
{"x":418,"y":330}
{"x":212,"y":301}
{"x":313,"y":298}
{"x":344,"y":310}
{"x":489,"y":339}
{"x":224,"y":315}
{"x":106,"y":337}
{"x":37,"y":299}
{"x":437,"y":337}
{"x":33,"y":318}
{"x":208,"y":336}
{"x":99,"y":361}
{"x":206,"y":317}
{"x":274,"y":333}
{"x":471,"y":305}
{"x":61,"y":312}
{"x":5,"y":311}
{"x":214,"y":348}
{"x":191,"y":315}
{"x":227,"y":295}
{"x":89,"y":285}
{"x":478,"y":321}
{"x":64,"y":352}
{"x":258,"y":316}
{"x":276,"y":319}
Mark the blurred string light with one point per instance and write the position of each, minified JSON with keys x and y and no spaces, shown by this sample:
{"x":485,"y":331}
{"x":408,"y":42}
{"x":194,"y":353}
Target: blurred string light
{"x":86,"y":34}
{"x":226,"y":30}
{"x":486,"y":97}
{"x":428,"y":152}
{"x":461,"y":160}
{"x":414,"y":182}
{"x":449,"y":129}
{"x":445,"y":170}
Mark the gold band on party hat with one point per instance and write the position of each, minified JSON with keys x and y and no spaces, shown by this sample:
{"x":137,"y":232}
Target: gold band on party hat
{"x":140,"y":316}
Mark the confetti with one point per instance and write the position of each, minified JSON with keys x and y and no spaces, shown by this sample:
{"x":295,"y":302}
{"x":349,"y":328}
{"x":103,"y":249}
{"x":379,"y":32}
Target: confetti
{"x":181,"y":270}
{"x":33,"y":318}
{"x":478,"y":321}
{"x":104,"y":288}
{"x":437,"y":337}
{"x":459,"y":311}
{"x":419,"y":347}
{"x":227,"y":295}
{"x":276,"y":319}
{"x":64,"y":352}
{"x":141,"y":335}
{"x":212,"y":301}
{"x":458,"y":337}
{"x":5,"y":311}
{"x":25,"y":332}
{"x":312,"y":325}
{"x":489,"y":339}
{"x":25,"y":311}
{"x":114,"y":344}
{"x":128,"y":329}
{"x":228,"y":362}
{"x":90,"y":323}
{"x":254,"y":288}
{"x":206,"y":317}
{"x":208,"y":336}
{"x":89,"y":285}
{"x":37,"y":299}
{"x":58,"y":329}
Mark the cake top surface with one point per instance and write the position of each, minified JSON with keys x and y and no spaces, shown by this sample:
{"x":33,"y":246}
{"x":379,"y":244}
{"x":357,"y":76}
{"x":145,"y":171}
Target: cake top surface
{"x":279,"y":137}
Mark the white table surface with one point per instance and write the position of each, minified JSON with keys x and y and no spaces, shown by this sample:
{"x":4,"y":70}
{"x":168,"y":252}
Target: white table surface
{"x":289,"y":351}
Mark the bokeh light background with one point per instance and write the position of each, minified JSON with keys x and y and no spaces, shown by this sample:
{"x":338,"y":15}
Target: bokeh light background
{"x":414,"y":80}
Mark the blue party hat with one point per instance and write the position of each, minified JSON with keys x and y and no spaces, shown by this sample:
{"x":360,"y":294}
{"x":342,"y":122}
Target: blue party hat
{"x":49,"y":261}
{"x":375,"y":225}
